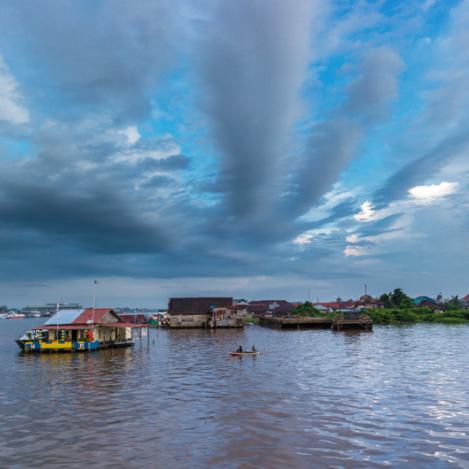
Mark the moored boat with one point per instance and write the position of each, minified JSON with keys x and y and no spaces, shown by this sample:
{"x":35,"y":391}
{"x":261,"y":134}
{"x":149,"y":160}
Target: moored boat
{"x":79,"y":330}
{"x":15,"y":316}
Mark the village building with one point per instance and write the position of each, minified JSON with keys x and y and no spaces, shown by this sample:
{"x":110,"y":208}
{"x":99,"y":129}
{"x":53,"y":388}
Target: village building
{"x":368,"y":302}
{"x":138,"y":318}
{"x":205,"y":312}
{"x":364,"y":302}
{"x":465,"y":301}
{"x":332,"y":306}
{"x":421,"y":301}
{"x":427,"y":302}
{"x":270,"y":308}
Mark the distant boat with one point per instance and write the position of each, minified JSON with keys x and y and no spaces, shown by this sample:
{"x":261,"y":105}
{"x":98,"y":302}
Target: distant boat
{"x":240,"y":354}
{"x":15,"y":316}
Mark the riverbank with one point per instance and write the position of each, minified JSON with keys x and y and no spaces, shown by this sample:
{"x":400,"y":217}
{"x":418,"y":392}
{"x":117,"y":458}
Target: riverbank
{"x":417,"y":315}
{"x":396,"y":316}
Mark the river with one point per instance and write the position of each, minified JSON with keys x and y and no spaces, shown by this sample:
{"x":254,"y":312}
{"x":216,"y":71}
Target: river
{"x":398,"y":396}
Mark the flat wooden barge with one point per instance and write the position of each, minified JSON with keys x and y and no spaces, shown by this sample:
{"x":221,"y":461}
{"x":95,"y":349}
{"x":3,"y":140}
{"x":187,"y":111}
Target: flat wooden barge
{"x":342,"y":322}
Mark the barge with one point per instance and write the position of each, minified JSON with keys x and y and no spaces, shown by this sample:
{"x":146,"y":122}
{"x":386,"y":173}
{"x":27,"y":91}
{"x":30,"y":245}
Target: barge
{"x":79,"y":330}
{"x":340,"y":322}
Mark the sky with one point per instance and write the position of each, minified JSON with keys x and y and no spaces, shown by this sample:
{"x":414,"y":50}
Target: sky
{"x":275,"y":149}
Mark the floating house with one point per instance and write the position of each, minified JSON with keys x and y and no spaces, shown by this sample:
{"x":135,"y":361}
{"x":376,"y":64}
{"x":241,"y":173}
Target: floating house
{"x":79,"y":330}
{"x":204,"y":312}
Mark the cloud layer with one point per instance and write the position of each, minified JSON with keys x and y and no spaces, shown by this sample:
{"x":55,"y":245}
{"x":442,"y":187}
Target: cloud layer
{"x":302,"y":140}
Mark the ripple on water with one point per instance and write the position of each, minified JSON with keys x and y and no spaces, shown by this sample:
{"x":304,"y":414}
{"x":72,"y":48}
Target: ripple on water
{"x":394,"y":397}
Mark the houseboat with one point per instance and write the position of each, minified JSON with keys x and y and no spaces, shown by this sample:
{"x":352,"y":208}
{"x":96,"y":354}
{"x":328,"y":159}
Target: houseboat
{"x":79,"y":330}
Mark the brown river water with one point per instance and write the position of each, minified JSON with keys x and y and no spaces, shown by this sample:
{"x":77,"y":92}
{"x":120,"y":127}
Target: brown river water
{"x":396,"y":397}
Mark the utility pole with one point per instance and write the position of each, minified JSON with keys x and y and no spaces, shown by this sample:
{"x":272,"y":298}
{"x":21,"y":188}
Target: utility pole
{"x":57,"y":317}
{"x":94,"y":299}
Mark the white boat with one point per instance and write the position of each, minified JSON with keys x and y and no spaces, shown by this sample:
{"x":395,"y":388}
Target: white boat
{"x":15,"y":316}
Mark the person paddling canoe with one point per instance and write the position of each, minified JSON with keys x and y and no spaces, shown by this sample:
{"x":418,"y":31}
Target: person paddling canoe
{"x":240,"y":351}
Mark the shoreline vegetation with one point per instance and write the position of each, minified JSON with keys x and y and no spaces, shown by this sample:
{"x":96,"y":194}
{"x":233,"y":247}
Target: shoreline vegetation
{"x":400,"y":316}
{"x":398,"y":308}
{"x":394,"y":316}
{"x":417,"y":315}
{"x":385,"y":316}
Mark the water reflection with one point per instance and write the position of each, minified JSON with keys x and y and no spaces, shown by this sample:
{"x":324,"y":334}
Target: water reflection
{"x":397,"y":396}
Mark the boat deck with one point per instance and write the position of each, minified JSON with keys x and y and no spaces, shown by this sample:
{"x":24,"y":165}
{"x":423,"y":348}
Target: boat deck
{"x":362,"y":322}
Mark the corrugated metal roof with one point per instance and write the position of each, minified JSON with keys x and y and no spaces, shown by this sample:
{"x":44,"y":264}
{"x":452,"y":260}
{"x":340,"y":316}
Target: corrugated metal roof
{"x":77,"y":327}
{"x":64,"y":316}
{"x":64,"y":327}
{"x":93,"y":315}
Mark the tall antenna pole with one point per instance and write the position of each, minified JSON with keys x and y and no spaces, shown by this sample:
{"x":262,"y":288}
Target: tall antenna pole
{"x":94,"y":299}
{"x":57,"y":317}
{"x":366,"y":289}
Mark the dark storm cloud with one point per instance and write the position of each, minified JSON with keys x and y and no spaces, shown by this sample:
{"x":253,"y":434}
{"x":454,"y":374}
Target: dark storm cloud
{"x":106,"y":190}
{"x":98,"y":220}
{"x":252,"y":59}
{"x":92,"y":55}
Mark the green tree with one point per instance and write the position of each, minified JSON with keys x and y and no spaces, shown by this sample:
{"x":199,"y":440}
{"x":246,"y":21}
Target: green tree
{"x":306,"y":309}
{"x":453,"y":303}
{"x":386,"y":299}
{"x":400,"y":300}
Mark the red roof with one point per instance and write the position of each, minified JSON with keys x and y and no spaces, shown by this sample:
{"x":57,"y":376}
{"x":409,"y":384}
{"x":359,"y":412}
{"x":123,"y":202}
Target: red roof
{"x":466,"y":298}
{"x":97,"y":316}
{"x":134,"y":318}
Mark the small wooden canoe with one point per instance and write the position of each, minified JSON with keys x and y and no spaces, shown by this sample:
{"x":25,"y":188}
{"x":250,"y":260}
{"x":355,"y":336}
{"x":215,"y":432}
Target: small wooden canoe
{"x":240,"y":354}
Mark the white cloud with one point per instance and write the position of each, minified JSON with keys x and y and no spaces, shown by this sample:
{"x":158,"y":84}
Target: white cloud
{"x":355,"y":251}
{"x":303,"y":239}
{"x":132,"y":134}
{"x":308,"y":236}
{"x":11,"y":108}
{"x":164,"y":148}
{"x":432,"y":192}
{"x":352,"y":238}
{"x":366,"y":213}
